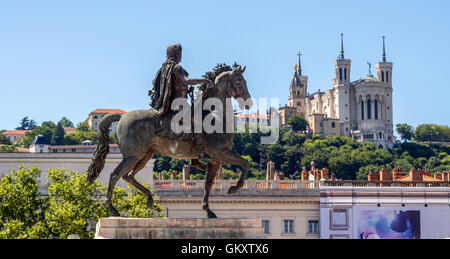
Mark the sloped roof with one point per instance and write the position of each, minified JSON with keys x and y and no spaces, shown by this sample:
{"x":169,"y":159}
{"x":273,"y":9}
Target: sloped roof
{"x":15,"y":132}
{"x":108,"y":111}
{"x":40,"y":140}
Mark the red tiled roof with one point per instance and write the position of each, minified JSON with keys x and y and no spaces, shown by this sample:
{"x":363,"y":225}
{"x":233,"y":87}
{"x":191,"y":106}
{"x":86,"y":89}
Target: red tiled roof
{"x":108,"y":111}
{"x":15,"y":132}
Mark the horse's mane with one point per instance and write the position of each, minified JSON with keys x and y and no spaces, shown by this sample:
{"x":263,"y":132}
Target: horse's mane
{"x":218,"y":70}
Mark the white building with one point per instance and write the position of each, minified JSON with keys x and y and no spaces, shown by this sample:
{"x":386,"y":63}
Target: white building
{"x":39,"y":145}
{"x":95,"y":117}
{"x":361,"y":108}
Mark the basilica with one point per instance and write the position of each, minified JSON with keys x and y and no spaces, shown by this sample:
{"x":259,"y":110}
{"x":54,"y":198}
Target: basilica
{"x":360,"y":109}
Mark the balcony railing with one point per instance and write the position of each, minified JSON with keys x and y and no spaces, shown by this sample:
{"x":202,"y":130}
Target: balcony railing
{"x":249,"y":186}
{"x":285,"y":185}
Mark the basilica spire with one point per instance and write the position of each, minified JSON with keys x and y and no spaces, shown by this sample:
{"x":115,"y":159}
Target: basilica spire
{"x":384,"y":50}
{"x":342,"y":47}
{"x":299,"y":54}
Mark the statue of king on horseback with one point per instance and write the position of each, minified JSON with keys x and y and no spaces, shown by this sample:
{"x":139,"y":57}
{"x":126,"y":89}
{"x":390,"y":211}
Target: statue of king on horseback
{"x":142,"y":134}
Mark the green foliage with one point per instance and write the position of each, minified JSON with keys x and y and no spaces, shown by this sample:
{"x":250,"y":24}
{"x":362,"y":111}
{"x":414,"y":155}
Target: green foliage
{"x":84,"y":126}
{"x":79,"y":136}
{"x":66,"y":122}
{"x":22,"y":209}
{"x":432,"y":132}
{"x":298,"y":123}
{"x":8,"y":149}
{"x":72,"y":206}
{"x":133,"y":203}
{"x":405,"y":131}
{"x":3,"y":139}
{"x":58,"y":135}
{"x":26,"y":124}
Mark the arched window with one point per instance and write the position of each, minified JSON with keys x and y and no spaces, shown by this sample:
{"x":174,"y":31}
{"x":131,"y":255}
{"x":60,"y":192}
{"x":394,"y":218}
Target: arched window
{"x":376,"y":109}
{"x":382,"y":76}
{"x":345,"y":73}
{"x":368,"y":110}
{"x":387,"y":76}
{"x":340,"y":73}
{"x":362,"y":110}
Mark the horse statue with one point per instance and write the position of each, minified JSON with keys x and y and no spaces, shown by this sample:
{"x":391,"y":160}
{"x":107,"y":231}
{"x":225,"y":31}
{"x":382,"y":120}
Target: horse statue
{"x":140,"y":137}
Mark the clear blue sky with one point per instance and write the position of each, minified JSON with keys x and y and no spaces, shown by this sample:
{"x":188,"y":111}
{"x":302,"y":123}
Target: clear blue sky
{"x":67,"y":58}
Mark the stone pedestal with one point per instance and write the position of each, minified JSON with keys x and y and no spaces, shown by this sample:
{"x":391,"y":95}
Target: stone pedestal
{"x":170,"y":228}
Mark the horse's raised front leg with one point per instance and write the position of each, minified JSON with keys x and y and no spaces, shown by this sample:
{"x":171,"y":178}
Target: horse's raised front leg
{"x":232,"y":158}
{"x":213,"y":168}
{"x":124,"y":167}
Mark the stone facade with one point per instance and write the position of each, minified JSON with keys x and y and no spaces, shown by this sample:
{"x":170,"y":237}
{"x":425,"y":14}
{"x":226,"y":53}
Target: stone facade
{"x":95,"y":117}
{"x":360,"y":109}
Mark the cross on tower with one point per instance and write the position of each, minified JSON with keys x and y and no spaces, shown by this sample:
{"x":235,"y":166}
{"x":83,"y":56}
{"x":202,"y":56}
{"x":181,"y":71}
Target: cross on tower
{"x":299,"y":54}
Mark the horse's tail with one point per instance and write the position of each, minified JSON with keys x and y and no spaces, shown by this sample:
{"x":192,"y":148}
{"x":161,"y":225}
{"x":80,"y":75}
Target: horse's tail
{"x":98,"y":161}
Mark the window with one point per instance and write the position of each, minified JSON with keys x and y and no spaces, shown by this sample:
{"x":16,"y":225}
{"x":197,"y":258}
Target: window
{"x":74,"y":150}
{"x":95,"y":117}
{"x":333,"y":124}
{"x":289,"y":226}
{"x":362,"y":110}
{"x":345,"y":73}
{"x":55,"y":150}
{"x":313,"y":227}
{"x":382,"y":76}
{"x":340,"y":73}
{"x":376,"y":109}
{"x":339,"y":219}
{"x":368,"y":110}
{"x":266,"y":226}
{"x":387,"y":76}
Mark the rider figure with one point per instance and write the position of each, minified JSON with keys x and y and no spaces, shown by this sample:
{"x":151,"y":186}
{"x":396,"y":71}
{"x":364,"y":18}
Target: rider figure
{"x":171,"y":82}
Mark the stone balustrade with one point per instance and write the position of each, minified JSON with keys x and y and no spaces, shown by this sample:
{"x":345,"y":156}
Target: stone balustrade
{"x":269,"y":188}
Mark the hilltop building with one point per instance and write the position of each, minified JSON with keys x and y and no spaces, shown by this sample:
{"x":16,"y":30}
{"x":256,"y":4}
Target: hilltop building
{"x":95,"y":117}
{"x":360,"y":109}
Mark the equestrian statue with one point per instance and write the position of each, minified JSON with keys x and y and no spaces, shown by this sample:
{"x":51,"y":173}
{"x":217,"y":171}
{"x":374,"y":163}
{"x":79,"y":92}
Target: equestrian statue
{"x":143,"y":133}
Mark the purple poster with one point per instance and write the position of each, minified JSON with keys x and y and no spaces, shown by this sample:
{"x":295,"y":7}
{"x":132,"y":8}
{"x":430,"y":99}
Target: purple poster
{"x":389,"y":224}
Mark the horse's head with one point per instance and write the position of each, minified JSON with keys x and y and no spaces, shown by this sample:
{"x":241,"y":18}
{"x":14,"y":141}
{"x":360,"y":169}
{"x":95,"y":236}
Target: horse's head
{"x":238,"y":88}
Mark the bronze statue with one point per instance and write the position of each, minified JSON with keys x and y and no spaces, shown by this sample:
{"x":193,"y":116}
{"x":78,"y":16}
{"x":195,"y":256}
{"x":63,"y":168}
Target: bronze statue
{"x":171,"y":82}
{"x":143,"y":133}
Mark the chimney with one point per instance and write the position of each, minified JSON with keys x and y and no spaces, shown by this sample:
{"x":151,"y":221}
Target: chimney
{"x":396,"y":173}
{"x":304,"y":175}
{"x":324,"y":174}
{"x":174,"y":175}
{"x":445,"y":176}
{"x":186,"y":172}
{"x":416,"y":175}
{"x":373,"y":177}
{"x":438,"y":176}
{"x":384,"y":175}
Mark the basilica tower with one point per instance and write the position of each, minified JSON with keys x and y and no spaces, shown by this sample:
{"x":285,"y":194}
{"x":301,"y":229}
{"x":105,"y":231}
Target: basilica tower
{"x":342,"y":92}
{"x":298,"y":89}
{"x":384,"y":74}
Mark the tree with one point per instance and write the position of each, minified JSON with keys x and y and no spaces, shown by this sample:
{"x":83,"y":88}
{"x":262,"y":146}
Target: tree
{"x":72,"y":206}
{"x":3,"y":139}
{"x":298,"y":123}
{"x":432,"y":132}
{"x":58,"y":135}
{"x":46,"y":129}
{"x":84,"y":126}
{"x":66,"y":122}
{"x":406,"y":131}
{"x":24,"y":124}
{"x":21,"y":206}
